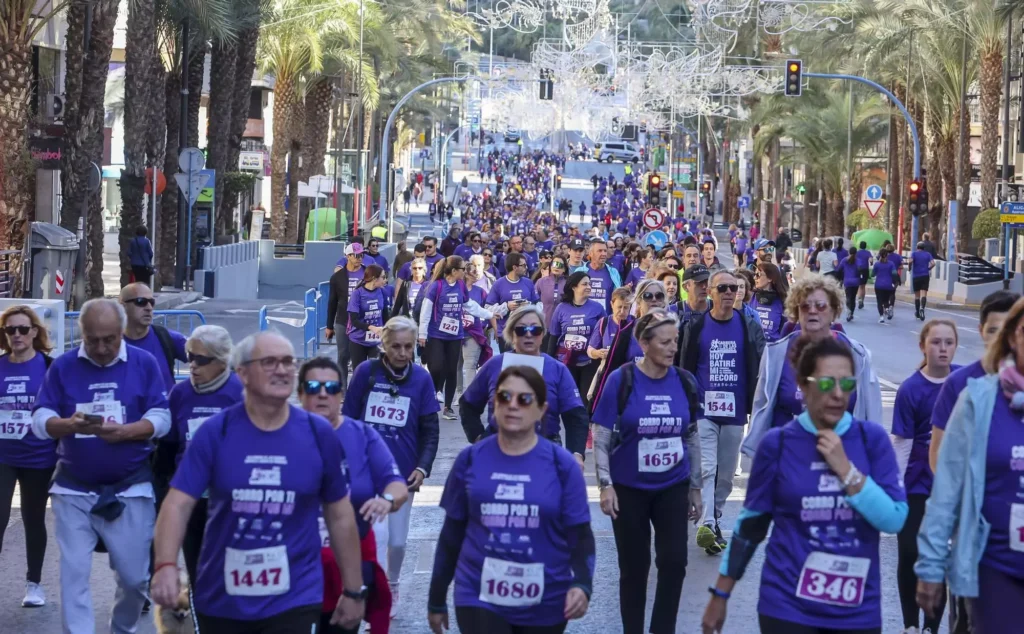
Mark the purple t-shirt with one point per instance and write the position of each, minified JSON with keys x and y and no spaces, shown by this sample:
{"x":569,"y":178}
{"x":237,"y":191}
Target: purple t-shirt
{"x":446,"y":314}
{"x":772,"y":316}
{"x":812,"y":516}
{"x":371,"y":467}
{"x":1004,"y":490}
{"x":950,"y":392}
{"x":722,"y":371}
{"x":189,"y":409}
{"x":862,"y":258}
{"x":370,"y":306}
{"x":651,"y":453}
{"x":789,"y":398}
{"x":741,"y":245}
{"x":379,"y":260}
{"x":562,"y":392}
{"x":505,"y":290}
{"x":601,"y":287}
{"x":354,"y":277}
{"x":151,"y":344}
{"x":635,"y":275}
{"x":604,"y":333}
{"x":520,"y":510}
{"x":883,"y":275}
{"x":851,"y":276}
{"x":121,"y":392}
{"x":19,"y":447}
{"x":261,"y":548}
{"x":572,"y":326}
{"x":919,"y":261}
{"x":396,"y":418}
{"x":912,"y":418}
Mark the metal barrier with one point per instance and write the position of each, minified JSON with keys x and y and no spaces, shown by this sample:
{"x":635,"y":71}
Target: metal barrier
{"x":323,"y":290}
{"x":263,"y":318}
{"x":310,"y":323}
{"x":289,"y":250}
{"x":975,"y":270}
{"x":6,"y":283}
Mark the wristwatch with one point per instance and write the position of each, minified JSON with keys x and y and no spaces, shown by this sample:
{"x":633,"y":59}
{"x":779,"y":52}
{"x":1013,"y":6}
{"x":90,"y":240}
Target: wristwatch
{"x":357,"y":595}
{"x":390,"y":498}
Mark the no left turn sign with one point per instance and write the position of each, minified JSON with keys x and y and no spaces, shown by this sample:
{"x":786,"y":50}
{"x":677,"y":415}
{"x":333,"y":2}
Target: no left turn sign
{"x":654,"y":218}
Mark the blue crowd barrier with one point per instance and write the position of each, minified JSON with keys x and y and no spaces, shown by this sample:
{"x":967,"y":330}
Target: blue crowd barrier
{"x":323,"y":293}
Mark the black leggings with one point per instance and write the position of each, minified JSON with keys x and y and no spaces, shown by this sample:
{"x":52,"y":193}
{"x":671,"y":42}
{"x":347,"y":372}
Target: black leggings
{"x":360,"y":353}
{"x":770,"y":625}
{"x":301,"y":620}
{"x":344,"y":353}
{"x":666,"y":509}
{"x":35,"y":489}
{"x":483,"y":621}
{"x":884,"y":298}
{"x":851,"y":298}
{"x":906,"y":580}
{"x":327,"y":628}
{"x":583,"y":376}
{"x":442,"y":361}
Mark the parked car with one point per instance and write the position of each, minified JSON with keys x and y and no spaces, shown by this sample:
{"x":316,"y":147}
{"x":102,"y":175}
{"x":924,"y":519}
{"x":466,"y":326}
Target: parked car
{"x":616,"y":151}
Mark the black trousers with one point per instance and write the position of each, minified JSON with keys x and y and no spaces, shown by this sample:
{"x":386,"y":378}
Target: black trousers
{"x":583,"y":376}
{"x":35,"y":490}
{"x":483,"y":621}
{"x":851,"y":297}
{"x":327,"y":628}
{"x":443,"y":364}
{"x":303,"y":620}
{"x":193,"y":542}
{"x":884,"y":298}
{"x":142,"y":274}
{"x":906,"y":580}
{"x":344,"y":354}
{"x":666,"y":509}
{"x":778,"y":626}
{"x":360,"y":353}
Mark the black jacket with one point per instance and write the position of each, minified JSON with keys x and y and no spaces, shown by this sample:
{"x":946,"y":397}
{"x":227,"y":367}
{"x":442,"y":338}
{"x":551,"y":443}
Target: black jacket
{"x":753,"y":348}
{"x":337,"y":298}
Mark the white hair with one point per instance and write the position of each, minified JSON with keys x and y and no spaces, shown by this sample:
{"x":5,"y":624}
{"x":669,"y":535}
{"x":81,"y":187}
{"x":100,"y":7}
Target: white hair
{"x":216,"y":340}
{"x":113,"y":304}
{"x":517,"y":316}
{"x":242,"y":352}
{"x":397,"y":324}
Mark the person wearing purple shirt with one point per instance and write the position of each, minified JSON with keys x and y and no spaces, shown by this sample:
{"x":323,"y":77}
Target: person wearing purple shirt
{"x":885,"y":290}
{"x":570,"y":328}
{"x":541,"y":575}
{"x":367,"y":312}
{"x":25,"y":460}
{"x":374,"y":256}
{"x":268,"y":468}
{"x":921,"y":264}
{"x":770,"y":292}
{"x":911,"y":435}
{"x":863,"y":261}
{"x":604,"y":278}
{"x":847,"y":269}
{"x":105,"y":404}
{"x":474,"y":245}
{"x":829,"y":484}
{"x":164,"y":344}
{"x":510,"y":292}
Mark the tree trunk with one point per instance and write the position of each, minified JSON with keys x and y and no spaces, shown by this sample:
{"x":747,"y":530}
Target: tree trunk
{"x":936,"y":210}
{"x":892,"y":204}
{"x":834,"y":217}
{"x":223,"y":62}
{"x":947,"y":163}
{"x":196,"y":70}
{"x":245,"y":64}
{"x":18,"y":187}
{"x":962,"y":226}
{"x":140,"y":52}
{"x":157,"y":146}
{"x":167,"y":235}
{"x":991,"y":93}
{"x":284,"y":106}
{"x":317,"y":127}
{"x":296,"y":218}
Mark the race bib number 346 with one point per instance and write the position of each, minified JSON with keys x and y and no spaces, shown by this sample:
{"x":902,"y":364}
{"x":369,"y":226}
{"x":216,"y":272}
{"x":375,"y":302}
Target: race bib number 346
{"x":833,"y":579}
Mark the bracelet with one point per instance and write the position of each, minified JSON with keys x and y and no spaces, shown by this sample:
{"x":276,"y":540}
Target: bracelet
{"x":721,"y":594}
{"x":157,"y":567}
{"x":851,"y":476}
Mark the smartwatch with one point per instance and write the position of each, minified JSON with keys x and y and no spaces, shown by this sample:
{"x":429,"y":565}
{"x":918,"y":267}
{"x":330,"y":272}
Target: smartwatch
{"x":357,"y":595}
{"x":390,"y":498}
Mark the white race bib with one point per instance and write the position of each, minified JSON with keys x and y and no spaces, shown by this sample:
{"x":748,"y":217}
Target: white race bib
{"x":14,"y":424}
{"x":833,"y":579}
{"x":721,"y":404}
{"x":193,"y":427}
{"x":325,"y":537}
{"x":384,"y":409}
{"x":449,"y":326}
{"x":510,"y":584}
{"x":658,"y":455}
{"x":467,"y":320}
{"x":110,"y":411}
{"x":261,"y":572}
{"x":575,"y":342}
{"x":531,"y":361}
{"x":1017,"y":527}
{"x":371,"y":337}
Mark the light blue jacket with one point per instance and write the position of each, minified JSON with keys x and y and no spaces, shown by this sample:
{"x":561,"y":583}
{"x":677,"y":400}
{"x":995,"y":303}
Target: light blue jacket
{"x":612,"y":272}
{"x":954,"y":533}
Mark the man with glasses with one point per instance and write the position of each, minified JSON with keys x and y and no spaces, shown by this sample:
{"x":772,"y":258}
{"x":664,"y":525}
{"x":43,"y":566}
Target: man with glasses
{"x":372,"y":255}
{"x":430,"y":252}
{"x":105,"y":404}
{"x":510,"y":292}
{"x":474,"y":246}
{"x":531,"y":253}
{"x":723,"y":349}
{"x":163,"y":343}
{"x":345,"y":279}
{"x":765,"y":250}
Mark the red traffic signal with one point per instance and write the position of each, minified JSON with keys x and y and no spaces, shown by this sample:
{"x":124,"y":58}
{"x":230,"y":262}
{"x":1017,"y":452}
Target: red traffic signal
{"x":914,"y":198}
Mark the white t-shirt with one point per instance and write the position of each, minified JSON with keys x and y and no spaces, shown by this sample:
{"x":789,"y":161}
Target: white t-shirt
{"x":827,"y":261}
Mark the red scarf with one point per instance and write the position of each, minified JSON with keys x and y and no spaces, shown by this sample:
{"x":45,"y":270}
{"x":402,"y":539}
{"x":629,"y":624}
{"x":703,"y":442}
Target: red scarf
{"x":378,"y":604}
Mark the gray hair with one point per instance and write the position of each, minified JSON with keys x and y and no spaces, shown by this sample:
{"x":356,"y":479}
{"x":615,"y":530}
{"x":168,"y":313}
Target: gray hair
{"x":113,"y":304}
{"x":397,"y":324}
{"x":717,"y":274}
{"x":517,"y":316}
{"x":216,"y":340}
{"x":646,"y":325}
{"x":242,"y":352}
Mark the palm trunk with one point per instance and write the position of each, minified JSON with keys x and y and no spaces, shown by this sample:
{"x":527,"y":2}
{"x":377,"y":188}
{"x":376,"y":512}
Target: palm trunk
{"x":991,"y":94}
{"x":223,"y":62}
{"x":18,"y":187}
{"x":157,"y":144}
{"x":893,"y":203}
{"x":245,"y":64}
{"x":317,"y":128}
{"x":167,"y":236}
{"x":936,"y":211}
{"x":196,"y":69}
{"x":284,"y":105}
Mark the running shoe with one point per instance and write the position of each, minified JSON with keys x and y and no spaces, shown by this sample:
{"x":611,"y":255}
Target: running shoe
{"x":719,"y":539}
{"x":881,"y":320}
{"x":706,"y":540}
{"x":34,"y":596}
{"x":921,"y":316}
{"x":394,"y":599}
{"x":448,"y":414}
{"x":849,"y":316}
{"x":860,"y":304}
{"x":440,"y":397}
{"x":146,"y":606}
{"x":889,"y":313}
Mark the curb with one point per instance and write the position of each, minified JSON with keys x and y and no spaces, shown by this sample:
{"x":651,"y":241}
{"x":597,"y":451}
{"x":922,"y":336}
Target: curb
{"x":171,"y":300}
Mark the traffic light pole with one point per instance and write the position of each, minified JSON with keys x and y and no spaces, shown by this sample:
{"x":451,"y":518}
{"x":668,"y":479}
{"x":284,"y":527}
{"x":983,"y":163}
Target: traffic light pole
{"x":910,"y":124}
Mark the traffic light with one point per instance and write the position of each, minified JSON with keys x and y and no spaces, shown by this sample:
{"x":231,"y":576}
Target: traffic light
{"x":914,"y":191}
{"x":558,"y":181}
{"x":547,"y":84}
{"x":653,"y":184}
{"x":801,"y":189}
{"x":705,"y":189}
{"x":1011,"y":194}
{"x":794,"y":78}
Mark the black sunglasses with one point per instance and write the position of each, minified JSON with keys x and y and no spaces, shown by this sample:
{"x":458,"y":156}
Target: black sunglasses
{"x":531,"y":330}
{"x":649,"y":295}
{"x":21,"y":330}
{"x":142,"y":301}
{"x":732,"y":288}
{"x":199,"y":359}
{"x":313,"y":387}
{"x":524,"y":399}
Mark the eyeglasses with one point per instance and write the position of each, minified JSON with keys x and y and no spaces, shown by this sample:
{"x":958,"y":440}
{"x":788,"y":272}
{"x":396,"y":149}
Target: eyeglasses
{"x":269,"y":364}
{"x":533,"y":330}
{"x":653,"y":295}
{"x":818,"y":305}
{"x":141,"y":301}
{"x":732,"y":288}
{"x":356,"y":256}
{"x":21,"y":330}
{"x":372,"y":245}
{"x":828,"y":383}
{"x":768,"y":249}
{"x":313,"y":387}
{"x":672,"y":267}
{"x":200,"y":359}
{"x":523,"y":399}
{"x":557,"y":265}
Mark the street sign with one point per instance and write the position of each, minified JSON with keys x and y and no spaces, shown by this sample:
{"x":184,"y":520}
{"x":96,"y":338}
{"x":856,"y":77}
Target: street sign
{"x":743,"y":202}
{"x":873,"y":206}
{"x":654,"y":218}
{"x":874,"y":192}
{"x":684,"y":178}
{"x":58,"y":282}
{"x":191,"y":159}
{"x":192,"y":185}
{"x":656,"y":239}
{"x":1011,"y":213}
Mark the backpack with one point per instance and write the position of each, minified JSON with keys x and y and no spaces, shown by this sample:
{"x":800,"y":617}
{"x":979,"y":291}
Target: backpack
{"x":423,"y":293}
{"x":626,"y":388}
{"x":163,"y":335}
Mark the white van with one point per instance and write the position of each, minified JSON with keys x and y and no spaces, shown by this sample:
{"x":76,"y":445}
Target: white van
{"x":616,"y":151}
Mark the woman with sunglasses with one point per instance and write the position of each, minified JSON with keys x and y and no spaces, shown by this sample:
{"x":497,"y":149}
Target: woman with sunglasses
{"x":25,"y":460}
{"x":410,"y":291}
{"x":498,"y":588}
{"x":525,"y":332}
{"x":376,"y":489}
{"x":367,"y":312}
{"x":770,"y":292}
{"x":830,"y":484}
{"x":210,"y":388}
{"x":647,"y":453}
{"x":570,"y":328}
{"x":814,"y":302}
{"x":441,"y":331}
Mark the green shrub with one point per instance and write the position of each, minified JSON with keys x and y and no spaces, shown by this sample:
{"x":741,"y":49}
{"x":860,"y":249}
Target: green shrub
{"x":986,"y":225}
{"x":861,"y":219}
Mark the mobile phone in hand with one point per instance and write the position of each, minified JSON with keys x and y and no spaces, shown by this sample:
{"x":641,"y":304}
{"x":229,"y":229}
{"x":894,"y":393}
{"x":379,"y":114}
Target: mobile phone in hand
{"x":93,"y":419}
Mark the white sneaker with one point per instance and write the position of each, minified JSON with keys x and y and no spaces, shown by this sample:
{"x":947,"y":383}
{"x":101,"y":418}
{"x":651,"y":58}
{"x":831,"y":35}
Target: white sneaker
{"x":34,"y":596}
{"x":910,"y":630}
{"x":881,"y":320}
{"x":394,"y":600}
{"x":440,"y":397}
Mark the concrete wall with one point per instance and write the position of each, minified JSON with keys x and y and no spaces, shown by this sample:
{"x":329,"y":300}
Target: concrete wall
{"x":289,"y":278}
{"x":230,"y":271}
